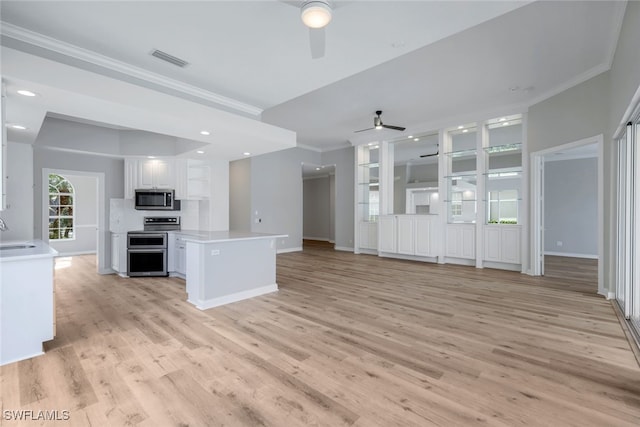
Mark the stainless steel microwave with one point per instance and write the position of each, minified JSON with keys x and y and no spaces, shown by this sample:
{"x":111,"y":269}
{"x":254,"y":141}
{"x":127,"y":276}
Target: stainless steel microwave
{"x":156,"y":200}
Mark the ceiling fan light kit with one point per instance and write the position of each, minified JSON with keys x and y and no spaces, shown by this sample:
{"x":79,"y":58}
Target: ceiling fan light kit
{"x":377,"y":124}
{"x":316,"y":13}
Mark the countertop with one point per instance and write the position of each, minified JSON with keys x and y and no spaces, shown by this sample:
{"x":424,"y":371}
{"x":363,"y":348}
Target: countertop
{"x":199,"y":236}
{"x":40,"y":250}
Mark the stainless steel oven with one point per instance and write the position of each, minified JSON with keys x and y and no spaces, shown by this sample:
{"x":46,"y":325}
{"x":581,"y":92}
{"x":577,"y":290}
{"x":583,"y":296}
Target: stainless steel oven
{"x":147,"y":254}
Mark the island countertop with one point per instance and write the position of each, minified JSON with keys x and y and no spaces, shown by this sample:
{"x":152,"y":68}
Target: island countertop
{"x":39,"y":250}
{"x":198,"y":236}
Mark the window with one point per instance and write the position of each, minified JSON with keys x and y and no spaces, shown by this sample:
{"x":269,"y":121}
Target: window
{"x":503,"y":207}
{"x":374,"y":202}
{"x":61,"y":208}
{"x":456,"y":203}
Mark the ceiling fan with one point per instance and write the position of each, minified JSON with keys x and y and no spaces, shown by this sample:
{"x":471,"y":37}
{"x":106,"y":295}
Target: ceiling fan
{"x":377,"y":124}
{"x":431,"y":155}
{"x":316,"y":14}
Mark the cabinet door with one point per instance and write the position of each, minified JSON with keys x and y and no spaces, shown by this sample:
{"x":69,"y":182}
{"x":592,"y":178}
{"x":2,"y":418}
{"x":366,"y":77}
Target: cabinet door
{"x":425,"y":244}
{"x":115,"y":252}
{"x":387,"y":239}
{"x":492,"y":243}
{"x":130,"y":177}
{"x":468,"y":242}
{"x":406,"y":235}
{"x":145,"y":173}
{"x":181,"y":180}
{"x":510,"y":245}
{"x":364,"y":235}
{"x":181,"y":257}
{"x":454,"y":241}
{"x":373,"y":235}
{"x":163,"y":174}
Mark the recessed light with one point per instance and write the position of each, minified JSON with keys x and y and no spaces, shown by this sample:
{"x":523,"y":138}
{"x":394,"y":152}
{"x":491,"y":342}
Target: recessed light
{"x":502,"y":119}
{"x":205,"y":132}
{"x":317,"y":169}
{"x":18,"y":127}
{"x":375,"y":146}
{"x":514,"y":88}
{"x":460,"y":127}
{"x":505,"y":124}
{"x":410,"y":136}
{"x":416,"y":139}
{"x":370,"y":144}
{"x":25,"y":92}
{"x":246,"y":153}
{"x":151,"y":157}
{"x":465,"y":130}
{"x":200,"y":152}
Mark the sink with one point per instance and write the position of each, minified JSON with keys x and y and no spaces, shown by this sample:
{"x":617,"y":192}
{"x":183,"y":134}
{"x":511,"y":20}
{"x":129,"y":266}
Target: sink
{"x":20,"y":246}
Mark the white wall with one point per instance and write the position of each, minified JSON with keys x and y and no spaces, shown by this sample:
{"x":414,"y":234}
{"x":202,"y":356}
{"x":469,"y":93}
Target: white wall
{"x":571,"y":207}
{"x":86,"y":216}
{"x":19,"y":213}
{"x":343,"y":159}
{"x":276,"y":194}
{"x":240,"y":195}
{"x":316,"y":208}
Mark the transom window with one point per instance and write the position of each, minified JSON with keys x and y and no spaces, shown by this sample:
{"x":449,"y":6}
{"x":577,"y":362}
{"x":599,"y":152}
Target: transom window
{"x":61,"y":208}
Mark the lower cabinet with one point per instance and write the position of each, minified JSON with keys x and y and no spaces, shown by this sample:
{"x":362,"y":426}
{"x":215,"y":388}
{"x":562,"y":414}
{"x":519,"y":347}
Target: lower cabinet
{"x":461,"y":241}
{"x":502,"y":243}
{"x":119,"y":252}
{"x":414,"y":235}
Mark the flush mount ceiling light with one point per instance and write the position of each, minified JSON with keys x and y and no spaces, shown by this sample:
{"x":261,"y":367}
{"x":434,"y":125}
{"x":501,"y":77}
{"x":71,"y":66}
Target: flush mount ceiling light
{"x":205,"y":132}
{"x":246,"y":153}
{"x":200,"y":152}
{"x":316,"y":13}
{"x":25,"y":92}
{"x":18,"y":127}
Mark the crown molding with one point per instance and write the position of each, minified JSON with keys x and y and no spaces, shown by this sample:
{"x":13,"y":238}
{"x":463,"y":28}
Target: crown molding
{"x":76,"y":52}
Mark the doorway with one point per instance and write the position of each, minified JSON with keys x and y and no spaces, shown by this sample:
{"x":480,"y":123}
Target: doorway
{"x":318,"y":204}
{"x":568,"y":224}
{"x":73,"y":212}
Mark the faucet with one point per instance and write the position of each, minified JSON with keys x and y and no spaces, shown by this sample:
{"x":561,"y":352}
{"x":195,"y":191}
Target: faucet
{"x":3,"y":225}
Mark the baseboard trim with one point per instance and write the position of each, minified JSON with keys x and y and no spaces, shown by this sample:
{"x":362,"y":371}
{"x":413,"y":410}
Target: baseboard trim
{"x":235,"y":297}
{"x":66,"y":254}
{"x":571,"y":255}
{"x":343,"y":248}
{"x":433,"y":260}
{"x":287,"y":250}
{"x":319,"y":239}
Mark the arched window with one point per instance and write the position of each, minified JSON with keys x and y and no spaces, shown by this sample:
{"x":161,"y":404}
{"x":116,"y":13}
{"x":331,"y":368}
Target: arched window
{"x":61,"y":208}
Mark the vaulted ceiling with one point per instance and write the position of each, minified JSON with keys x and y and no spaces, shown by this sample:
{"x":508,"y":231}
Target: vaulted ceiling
{"x":424,"y":63}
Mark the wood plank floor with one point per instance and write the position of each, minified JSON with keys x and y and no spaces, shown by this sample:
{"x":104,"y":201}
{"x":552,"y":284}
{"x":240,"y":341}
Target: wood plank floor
{"x":349,"y":340}
{"x":578,"y":274}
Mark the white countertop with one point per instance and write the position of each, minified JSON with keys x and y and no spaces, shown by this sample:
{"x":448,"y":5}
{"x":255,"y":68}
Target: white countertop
{"x":40,"y":250}
{"x":199,"y":236}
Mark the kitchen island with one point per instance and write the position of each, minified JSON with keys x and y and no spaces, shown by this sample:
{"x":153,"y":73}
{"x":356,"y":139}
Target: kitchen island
{"x":27,"y":312}
{"x":228,"y":266}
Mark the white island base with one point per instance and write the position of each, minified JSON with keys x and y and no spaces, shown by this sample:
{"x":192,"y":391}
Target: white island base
{"x":226,"y":266}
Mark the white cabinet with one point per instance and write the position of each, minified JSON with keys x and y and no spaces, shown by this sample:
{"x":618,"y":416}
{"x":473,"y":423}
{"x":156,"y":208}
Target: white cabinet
{"x":387,"y":234}
{"x":502,"y":243}
{"x":461,"y":241}
{"x":156,"y":173}
{"x":192,"y":179}
{"x":177,"y":256}
{"x":147,"y":173}
{"x":409,"y":235}
{"x":368,"y":235}
{"x":119,"y":253}
{"x":406,"y":234}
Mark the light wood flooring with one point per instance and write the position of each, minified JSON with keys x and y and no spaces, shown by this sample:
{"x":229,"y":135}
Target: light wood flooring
{"x":349,"y":340}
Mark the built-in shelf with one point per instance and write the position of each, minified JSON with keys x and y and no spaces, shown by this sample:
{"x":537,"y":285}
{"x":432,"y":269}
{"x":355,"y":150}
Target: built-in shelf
{"x":506,"y":148}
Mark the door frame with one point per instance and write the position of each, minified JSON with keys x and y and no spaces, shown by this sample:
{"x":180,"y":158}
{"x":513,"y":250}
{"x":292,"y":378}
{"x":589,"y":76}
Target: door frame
{"x":537,"y":202}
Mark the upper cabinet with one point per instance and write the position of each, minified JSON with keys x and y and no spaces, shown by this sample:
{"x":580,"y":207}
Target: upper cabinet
{"x":156,"y":173}
{"x":188,"y":177}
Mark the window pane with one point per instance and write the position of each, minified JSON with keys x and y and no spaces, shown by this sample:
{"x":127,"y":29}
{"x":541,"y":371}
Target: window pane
{"x":54,"y":200}
{"x":509,"y":195}
{"x":66,"y":222}
{"x":509,"y":210}
{"x":494,"y":211}
{"x":53,"y":211}
{"x":53,"y":234}
{"x":66,"y":200}
{"x":66,"y":211}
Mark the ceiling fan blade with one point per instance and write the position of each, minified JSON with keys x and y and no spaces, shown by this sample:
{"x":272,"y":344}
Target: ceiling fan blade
{"x":429,"y":155}
{"x":400,"y":128}
{"x":317,"y":42}
{"x":362,"y":130}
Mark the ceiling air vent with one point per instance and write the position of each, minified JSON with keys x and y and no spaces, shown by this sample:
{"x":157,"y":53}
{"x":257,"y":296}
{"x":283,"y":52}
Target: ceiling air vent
{"x":169,"y":58}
